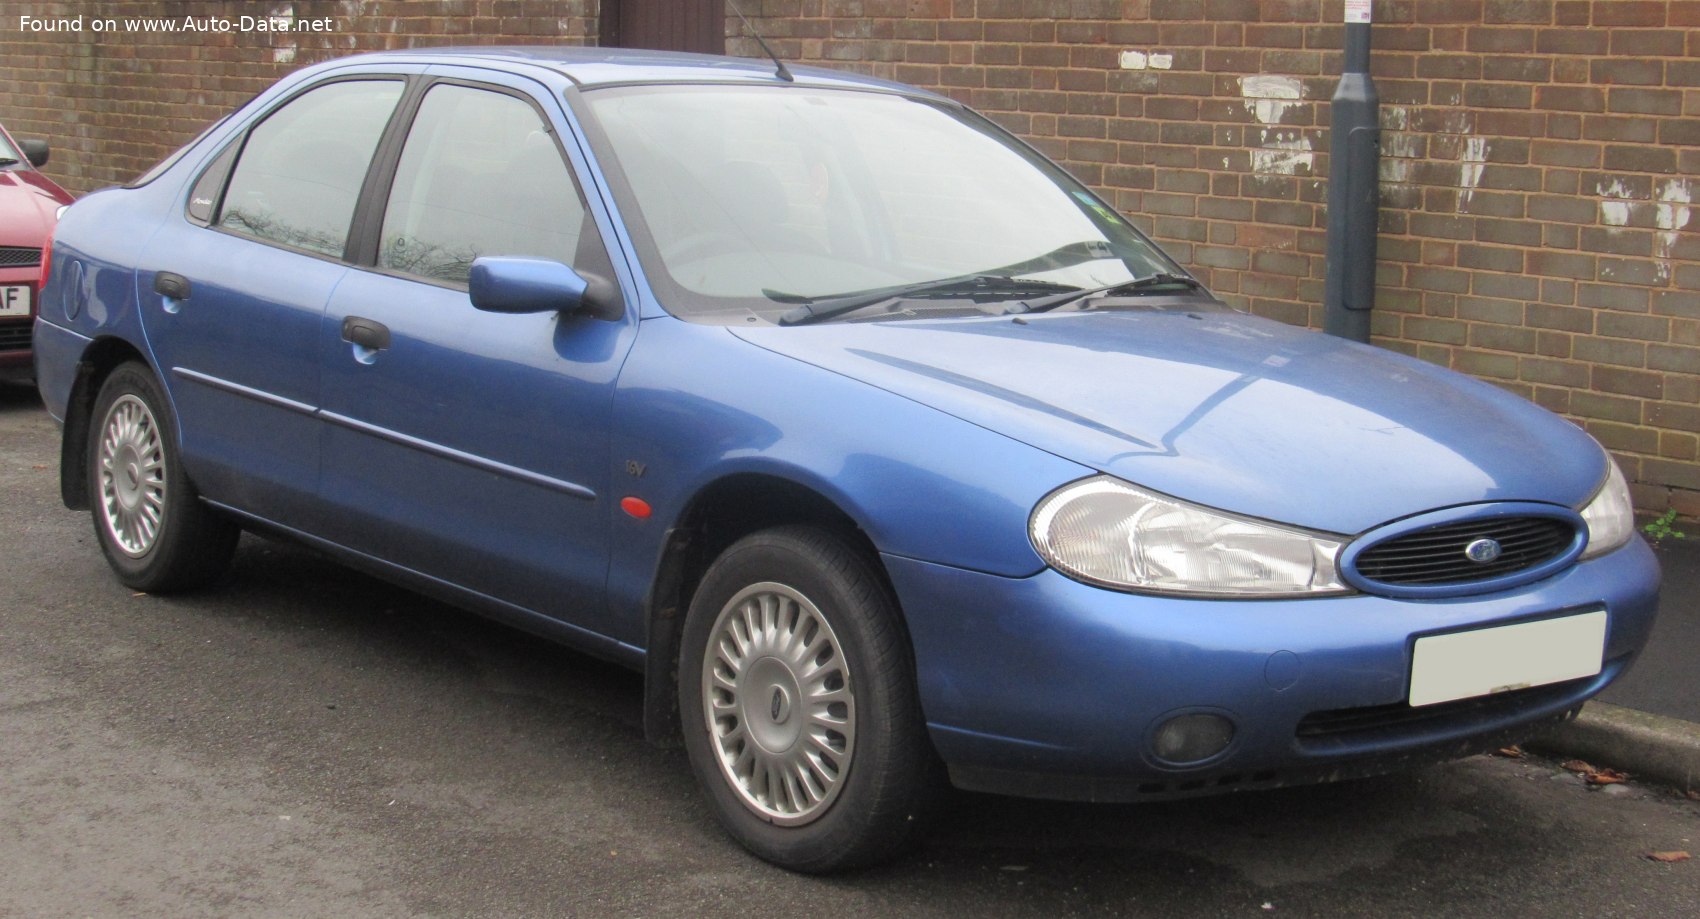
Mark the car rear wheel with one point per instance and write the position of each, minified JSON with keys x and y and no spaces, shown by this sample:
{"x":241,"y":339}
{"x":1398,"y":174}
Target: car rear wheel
{"x":155,"y":532}
{"x":798,"y":697}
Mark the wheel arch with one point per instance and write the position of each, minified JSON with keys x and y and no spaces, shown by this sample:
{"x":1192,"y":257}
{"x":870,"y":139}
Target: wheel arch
{"x":98,"y":361}
{"x":719,"y":514}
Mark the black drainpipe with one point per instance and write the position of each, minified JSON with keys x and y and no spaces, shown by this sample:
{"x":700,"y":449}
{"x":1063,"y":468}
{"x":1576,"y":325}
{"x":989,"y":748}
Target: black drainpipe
{"x":1354,"y":184}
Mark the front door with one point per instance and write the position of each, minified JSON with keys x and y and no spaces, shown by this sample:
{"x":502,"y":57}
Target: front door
{"x":468,"y":446}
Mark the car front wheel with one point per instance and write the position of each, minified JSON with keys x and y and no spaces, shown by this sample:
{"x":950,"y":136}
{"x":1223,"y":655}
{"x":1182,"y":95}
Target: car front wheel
{"x":797,"y":692}
{"x":156,"y":533}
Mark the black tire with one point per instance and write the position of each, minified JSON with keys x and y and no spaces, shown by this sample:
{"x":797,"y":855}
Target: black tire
{"x":880,"y":797}
{"x":190,"y":544}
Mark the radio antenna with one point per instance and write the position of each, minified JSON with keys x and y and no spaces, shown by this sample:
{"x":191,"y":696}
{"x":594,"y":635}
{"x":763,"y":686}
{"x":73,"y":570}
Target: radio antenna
{"x":779,"y":69}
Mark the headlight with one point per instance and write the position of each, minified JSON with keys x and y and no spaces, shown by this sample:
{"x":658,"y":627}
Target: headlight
{"x":1104,"y":531}
{"x":1610,"y":515}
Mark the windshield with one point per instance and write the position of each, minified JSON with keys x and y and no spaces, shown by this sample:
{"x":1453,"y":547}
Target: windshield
{"x":753,"y":199}
{"x":7,"y":151}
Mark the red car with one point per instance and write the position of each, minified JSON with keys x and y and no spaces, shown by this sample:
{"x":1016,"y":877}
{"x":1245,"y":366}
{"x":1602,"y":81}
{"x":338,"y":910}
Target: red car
{"x":29,"y":207}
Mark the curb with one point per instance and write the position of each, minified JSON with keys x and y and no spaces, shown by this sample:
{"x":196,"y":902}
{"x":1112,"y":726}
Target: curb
{"x":1648,"y":747}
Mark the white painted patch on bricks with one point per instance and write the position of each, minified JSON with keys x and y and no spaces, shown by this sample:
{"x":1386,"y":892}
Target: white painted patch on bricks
{"x":1672,"y":211}
{"x":1671,"y":214}
{"x":1140,"y":60}
{"x":1406,"y":146}
{"x":1614,"y":213}
{"x":285,"y":52}
{"x":1268,"y":97}
{"x":1470,"y":170}
{"x":1396,"y":171}
{"x":1282,"y":153}
{"x":1613,"y":188}
{"x":1446,"y":121}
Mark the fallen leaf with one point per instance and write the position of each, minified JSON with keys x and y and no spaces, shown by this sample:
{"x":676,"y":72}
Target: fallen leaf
{"x":1605,"y":777}
{"x":1511,"y":752}
{"x":1667,"y":856}
{"x":1575,"y":765}
{"x":38,"y":467}
{"x":1694,"y":796}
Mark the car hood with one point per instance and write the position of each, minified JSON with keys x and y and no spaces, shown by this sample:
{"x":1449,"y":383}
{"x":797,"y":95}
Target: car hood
{"x":27,"y":205}
{"x":1224,"y":409}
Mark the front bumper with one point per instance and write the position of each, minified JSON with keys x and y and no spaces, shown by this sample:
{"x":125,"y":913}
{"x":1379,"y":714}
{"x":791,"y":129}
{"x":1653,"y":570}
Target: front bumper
{"x":1047,"y":687}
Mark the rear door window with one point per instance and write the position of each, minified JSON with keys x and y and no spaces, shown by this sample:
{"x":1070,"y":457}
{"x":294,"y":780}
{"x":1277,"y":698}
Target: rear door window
{"x":299,"y":174}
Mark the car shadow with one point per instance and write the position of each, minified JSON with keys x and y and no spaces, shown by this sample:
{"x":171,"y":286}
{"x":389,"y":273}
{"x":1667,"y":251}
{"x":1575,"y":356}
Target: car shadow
{"x":18,"y":397}
{"x":469,"y":662}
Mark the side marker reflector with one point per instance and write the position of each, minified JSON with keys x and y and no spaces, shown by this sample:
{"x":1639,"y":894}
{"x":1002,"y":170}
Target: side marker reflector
{"x":637,"y":507}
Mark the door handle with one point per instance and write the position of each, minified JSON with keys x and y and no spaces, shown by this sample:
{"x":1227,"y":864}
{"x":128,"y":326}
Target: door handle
{"x":171,"y":285}
{"x":367,"y":333}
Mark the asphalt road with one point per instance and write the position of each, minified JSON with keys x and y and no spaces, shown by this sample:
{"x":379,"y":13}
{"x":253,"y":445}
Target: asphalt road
{"x":304,"y":741}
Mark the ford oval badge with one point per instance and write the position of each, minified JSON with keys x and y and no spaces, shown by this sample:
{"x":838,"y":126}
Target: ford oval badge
{"x":1482,"y":551}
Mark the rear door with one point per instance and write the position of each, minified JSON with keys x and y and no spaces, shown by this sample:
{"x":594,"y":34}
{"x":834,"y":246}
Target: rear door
{"x":233,"y":293}
{"x":473,"y":447}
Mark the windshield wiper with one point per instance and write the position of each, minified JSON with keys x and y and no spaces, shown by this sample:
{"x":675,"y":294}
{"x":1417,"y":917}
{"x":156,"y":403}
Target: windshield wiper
{"x":813,"y":310}
{"x":1160,"y":279}
{"x":1075,"y":253}
{"x":8,"y":161}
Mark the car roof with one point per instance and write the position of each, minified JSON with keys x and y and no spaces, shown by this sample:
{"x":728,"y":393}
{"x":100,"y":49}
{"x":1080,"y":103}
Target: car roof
{"x":592,"y":66}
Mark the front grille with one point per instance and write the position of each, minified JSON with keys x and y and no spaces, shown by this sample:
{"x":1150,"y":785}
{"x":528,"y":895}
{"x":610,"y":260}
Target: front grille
{"x":19,"y":256}
{"x":1436,"y":555}
{"x":1399,"y":718}
{"x":14,"y":336}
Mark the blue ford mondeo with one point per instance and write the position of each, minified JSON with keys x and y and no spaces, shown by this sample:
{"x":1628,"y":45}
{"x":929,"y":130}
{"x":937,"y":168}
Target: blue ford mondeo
{"x":888,"y":452}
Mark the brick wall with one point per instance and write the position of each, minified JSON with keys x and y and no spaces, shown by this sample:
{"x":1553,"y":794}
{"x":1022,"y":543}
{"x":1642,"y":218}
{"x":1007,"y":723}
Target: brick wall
{"x":114,"y":104}
{"x":1541,"y":157}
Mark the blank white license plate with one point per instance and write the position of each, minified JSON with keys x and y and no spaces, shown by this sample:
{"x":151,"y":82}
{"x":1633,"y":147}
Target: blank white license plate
{"x":14,"y":300}
{"x":1485,"y":661}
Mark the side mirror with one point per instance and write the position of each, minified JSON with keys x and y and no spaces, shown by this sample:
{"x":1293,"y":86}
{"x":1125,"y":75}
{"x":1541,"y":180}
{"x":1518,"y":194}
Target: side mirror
{"x":501,"y":284}
{"x":35,"y":150}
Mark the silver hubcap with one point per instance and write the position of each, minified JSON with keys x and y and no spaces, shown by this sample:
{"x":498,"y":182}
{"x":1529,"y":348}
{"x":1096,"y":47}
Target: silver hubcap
{"x":132,"y":476}
{"x":777,"y":699}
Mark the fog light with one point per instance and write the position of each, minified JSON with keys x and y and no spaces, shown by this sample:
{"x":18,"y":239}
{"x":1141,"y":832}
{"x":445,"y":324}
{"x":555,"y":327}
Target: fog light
{"x":1192,"y":738}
